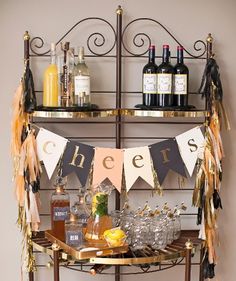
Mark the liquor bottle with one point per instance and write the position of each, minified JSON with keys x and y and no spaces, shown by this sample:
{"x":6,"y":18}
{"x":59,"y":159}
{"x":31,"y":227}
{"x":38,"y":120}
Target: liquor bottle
{"x":50,"y":81}
{"x":74,"y":232}
{"x":60,"y":208}
{"x":81,"y":209}
{"x":65,"y":76}
{"x":82,"y":94}
{"x":150,"y":79}
{"x":181,"y":80}
{"x":165,"y":73}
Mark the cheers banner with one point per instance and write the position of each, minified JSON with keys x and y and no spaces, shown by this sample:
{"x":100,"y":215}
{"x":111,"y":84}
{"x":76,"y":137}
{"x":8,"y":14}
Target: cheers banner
{"x":176,"y":154}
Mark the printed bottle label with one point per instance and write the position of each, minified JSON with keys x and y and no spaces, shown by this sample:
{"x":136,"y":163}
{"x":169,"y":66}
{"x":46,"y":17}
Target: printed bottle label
{"x":149,"y":83}
{"x":164,"y":83}
{"x":61,"y":213}
{"x":82,"y":85}
{"x":74,"y":238}
{"x":180,"y":84}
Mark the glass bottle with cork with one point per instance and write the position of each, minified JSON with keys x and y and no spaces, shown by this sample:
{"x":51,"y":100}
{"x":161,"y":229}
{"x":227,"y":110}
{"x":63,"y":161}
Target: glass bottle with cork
{"x":50,"y":81}
{"x":60,"y":208}
{"x":74,"y":233}
{"x":82,"y":96}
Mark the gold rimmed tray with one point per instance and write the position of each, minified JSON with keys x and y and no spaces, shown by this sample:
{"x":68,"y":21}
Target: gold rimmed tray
{"x":76,"y":114}
{"x":163,"y":113}
{"x":43,"y":242}
{"x":131,"y":112}
{"x":90,"y":250}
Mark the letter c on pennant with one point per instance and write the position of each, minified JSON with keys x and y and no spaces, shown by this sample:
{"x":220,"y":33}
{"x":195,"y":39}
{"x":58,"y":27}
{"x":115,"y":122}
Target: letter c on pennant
{"x":48,"y":147}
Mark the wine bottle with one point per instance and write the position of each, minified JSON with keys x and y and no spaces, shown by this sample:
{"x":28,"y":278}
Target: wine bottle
{"x":50,"y":81}
{"x":98,"y":268}
{"x":181,"y":80}
{"x":165,"y":73}
{"x":150,"y":79}
{"x":82,"y":94}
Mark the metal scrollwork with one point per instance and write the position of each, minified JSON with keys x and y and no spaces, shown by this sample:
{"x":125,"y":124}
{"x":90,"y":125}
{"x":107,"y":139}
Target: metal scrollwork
{"x":142,"y":40}
{"x":95,"y":40}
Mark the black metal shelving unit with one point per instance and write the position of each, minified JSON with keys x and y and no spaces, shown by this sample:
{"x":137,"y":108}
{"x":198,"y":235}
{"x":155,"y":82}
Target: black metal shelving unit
{"x":118,"y":117}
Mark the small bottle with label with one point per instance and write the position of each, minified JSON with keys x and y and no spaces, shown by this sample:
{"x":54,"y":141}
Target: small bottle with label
{"x":82,"y":97}
{"x":60,"y":208}
{"x":74,"y":231}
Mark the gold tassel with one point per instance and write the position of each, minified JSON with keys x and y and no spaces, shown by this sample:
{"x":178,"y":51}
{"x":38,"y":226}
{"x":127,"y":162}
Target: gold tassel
{"x":157,"y":187}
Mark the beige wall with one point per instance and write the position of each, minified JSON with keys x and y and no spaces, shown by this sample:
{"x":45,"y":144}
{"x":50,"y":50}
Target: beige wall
{"x":189,"y":21}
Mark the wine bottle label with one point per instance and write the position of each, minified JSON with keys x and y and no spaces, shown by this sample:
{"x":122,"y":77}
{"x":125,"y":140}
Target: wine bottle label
{"x":164,"y":83}
{"x":74,"y":238}
{"x":149,"y":83}
{"x":61,"y":213}
{"x":82,"y":85}
{"x":180,"y":84}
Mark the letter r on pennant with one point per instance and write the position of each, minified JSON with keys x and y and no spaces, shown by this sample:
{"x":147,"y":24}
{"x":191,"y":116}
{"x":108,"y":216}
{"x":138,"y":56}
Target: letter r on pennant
{"x":165,"y":156}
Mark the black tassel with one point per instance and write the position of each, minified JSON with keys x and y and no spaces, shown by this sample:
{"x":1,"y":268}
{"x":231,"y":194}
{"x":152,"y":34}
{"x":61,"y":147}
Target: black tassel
{"x":208,"y":268}
{"x":199,"y":216}
{"x":217,"y":200}
{"x":29,"y":93}
{"x":211,"y":74}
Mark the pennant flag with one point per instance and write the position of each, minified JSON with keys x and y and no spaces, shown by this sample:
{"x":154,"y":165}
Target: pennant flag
{"x":165,"y":157}
{"x":190,"y":144}
{"x":108,"y":163}
{"x":50,"y":147}
{"x":77,"y":158}
{"x":137,"y":163}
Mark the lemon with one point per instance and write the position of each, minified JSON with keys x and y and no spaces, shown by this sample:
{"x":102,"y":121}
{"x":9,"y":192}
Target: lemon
{"x":115,"y":237}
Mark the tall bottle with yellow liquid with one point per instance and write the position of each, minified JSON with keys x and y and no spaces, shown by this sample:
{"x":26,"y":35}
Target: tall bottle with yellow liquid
{"x":50,"y":81}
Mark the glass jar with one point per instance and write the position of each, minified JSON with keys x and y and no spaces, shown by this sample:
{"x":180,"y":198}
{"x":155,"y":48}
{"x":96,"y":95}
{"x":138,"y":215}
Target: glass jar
{"x":140,"y":233}
{"x":74,"y":232}
{"x":158,"y":233}
{"x":115,"y":215}
{"x":126,"y":224}
{"x":177,"y":227}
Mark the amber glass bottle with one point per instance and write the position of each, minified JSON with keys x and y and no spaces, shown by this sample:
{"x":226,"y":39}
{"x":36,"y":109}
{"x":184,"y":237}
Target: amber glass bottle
{"x":60,"y":208}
